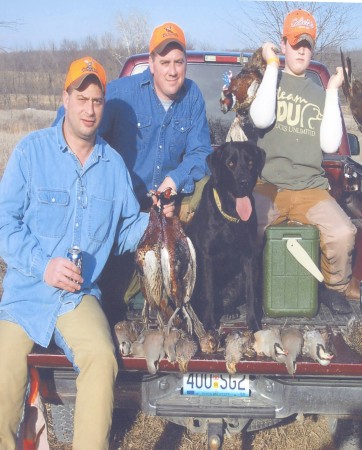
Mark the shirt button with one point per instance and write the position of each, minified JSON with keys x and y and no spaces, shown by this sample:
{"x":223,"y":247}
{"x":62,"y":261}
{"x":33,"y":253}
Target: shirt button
{"x":77,"y":224}
{"x":158,"y":167}
{"x":138,"y":124}
{"x":182,"y":128}
{"x":53,"y":200}
{"x":160,"y":146}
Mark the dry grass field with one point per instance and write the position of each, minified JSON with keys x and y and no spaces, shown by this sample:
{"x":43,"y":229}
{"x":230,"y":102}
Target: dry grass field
{"x":138,"y":431}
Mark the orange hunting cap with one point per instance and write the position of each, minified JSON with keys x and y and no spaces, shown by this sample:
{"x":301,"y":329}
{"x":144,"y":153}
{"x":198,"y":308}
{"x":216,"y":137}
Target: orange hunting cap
{"x":300,"y":25}
{"x":80,"y":69}
{"x":164,"y":34}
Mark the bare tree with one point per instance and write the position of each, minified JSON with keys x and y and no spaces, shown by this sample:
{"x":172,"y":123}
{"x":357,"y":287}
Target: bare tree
{"x":134,"y":33}
{"x":265,"y":18}
{"x":5,"y":24}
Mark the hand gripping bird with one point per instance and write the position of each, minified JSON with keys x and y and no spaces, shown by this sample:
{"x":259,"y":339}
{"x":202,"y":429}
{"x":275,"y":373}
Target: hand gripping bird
{"x":352,"y":90}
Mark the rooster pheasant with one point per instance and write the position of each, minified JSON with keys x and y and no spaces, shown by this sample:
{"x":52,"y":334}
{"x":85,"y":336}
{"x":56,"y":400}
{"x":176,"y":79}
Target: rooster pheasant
{"x":166,"y":264}
{"x":238,"y":93}
{"x":148,"y":266}
{"x":352,"y":90}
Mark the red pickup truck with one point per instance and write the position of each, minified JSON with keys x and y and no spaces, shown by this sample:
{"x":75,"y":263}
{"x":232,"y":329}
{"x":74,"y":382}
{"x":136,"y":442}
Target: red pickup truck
{"x":272,"y":394}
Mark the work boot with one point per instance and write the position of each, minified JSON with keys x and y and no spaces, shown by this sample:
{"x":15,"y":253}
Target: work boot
{"x":353,"y":289}
{"x":335,"y":301}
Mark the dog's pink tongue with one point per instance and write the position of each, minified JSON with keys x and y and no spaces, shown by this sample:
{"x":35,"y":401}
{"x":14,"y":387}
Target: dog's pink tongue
{"x":243,"y":208}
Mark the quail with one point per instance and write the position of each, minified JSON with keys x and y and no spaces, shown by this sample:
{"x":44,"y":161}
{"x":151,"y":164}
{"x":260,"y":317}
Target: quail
{"x":315,"y":347}
{"x":126,"y":332}
{"x":150,"y":345}
{"x":209,"y":342}
{"x":268,"y":343}
{"x":169,"y":344}
{"x":186,"y":347}
{"x":292,"y":342}
{"x":353,"y":334}
{"x":237,"y":346}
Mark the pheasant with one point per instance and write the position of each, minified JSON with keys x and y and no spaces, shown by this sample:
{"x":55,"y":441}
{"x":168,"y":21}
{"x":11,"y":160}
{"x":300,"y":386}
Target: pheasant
{"x":178,"y":262}
{"x":238,"y":93}
{"x":166,"y":264}
{"x":148,"y":266}
{"x":352,"y":90}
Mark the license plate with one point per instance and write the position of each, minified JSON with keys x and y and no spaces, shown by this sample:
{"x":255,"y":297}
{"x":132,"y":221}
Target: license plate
{"x":216,"y":384}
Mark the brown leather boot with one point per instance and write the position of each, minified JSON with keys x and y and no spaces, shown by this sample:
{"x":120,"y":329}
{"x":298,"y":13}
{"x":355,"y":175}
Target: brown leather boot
{"x":353,"y":289}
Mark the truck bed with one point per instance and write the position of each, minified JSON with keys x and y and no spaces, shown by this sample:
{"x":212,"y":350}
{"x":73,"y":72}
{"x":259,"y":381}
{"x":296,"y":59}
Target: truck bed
{"x":346,"y":362}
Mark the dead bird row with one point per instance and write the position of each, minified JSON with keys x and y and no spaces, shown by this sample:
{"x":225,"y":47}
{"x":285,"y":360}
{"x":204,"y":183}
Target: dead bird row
{"x":281,"y":344}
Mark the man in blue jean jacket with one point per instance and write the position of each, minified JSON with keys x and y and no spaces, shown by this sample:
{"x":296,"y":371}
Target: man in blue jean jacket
{"x":157,"y":119}
{"x":64,"y":186}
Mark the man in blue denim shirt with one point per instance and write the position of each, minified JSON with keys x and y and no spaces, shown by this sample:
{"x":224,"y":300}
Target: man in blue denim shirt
{"x":157,"y":121}
{"x":64,"y":186}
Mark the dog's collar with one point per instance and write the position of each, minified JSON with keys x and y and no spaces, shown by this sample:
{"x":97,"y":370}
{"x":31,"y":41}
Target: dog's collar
{"x":218,"y":204}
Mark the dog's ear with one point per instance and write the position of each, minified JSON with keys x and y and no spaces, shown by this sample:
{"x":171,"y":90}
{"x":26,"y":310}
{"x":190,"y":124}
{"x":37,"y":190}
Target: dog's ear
{"x":213,"y":161}
{"x":261,"y":155}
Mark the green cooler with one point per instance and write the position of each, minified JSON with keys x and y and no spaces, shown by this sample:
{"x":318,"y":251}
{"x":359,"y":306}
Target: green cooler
{"x":290,"y":290}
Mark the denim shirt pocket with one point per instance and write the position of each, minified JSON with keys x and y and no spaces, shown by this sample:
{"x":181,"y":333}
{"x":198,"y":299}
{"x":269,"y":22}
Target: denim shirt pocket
{"x":52,"y":212}
{"x":180,"y":128}
{"x":138,"y":131}
{"x":100,"y":218}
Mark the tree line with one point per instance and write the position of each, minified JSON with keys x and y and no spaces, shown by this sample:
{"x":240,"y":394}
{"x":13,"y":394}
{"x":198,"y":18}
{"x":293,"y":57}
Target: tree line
{"x":33,"y":78}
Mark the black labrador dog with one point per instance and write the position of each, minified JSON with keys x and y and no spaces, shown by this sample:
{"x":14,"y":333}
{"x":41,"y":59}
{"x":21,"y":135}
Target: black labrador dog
{"x":223,"y":231}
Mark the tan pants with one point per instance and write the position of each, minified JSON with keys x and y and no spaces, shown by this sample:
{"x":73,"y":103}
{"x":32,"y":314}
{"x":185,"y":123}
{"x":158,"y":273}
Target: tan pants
{"x":87,"y":334}
{"x":319,"y":208}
